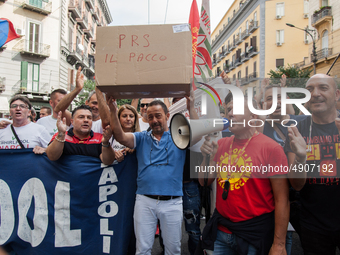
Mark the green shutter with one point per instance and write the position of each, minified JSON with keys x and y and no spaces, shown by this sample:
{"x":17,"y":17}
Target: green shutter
{"x":24,"y":66}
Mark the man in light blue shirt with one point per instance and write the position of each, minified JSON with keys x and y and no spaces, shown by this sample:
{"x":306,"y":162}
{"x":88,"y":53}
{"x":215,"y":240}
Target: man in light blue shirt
{"x":160,"y":173}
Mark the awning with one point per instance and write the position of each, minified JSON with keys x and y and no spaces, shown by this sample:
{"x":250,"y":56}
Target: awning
{"x":4,"y":108}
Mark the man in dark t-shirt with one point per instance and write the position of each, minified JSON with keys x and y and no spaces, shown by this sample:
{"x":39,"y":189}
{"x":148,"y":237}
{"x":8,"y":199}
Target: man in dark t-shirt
{"x":314,"y":146}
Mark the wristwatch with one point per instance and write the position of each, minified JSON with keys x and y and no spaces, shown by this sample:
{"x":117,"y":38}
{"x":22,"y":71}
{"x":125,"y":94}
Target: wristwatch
{"x":107,"y":145}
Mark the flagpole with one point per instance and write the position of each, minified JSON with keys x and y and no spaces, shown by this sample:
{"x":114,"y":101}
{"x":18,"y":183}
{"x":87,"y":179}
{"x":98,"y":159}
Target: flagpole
{"x":148,"y":11}
{"x":166,"y":10}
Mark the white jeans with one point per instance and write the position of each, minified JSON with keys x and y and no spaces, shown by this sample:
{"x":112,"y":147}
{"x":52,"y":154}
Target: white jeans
{"x":170,"y":215}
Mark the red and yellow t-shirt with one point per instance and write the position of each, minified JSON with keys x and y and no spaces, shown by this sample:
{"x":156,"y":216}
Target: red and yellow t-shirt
{"x":250,"y":192}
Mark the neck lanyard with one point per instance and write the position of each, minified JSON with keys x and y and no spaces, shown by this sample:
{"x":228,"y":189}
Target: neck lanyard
{"x":241,"y":152}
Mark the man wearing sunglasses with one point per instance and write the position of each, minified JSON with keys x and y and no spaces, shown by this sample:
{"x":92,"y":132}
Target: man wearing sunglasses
{"x":159,"y":181}
{"x":313,"y":152}
{"x":23,"y":133}
{"x":252,"y":207}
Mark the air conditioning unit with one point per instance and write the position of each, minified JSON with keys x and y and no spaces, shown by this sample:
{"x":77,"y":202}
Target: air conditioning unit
{"x":278,"y":16}
{"x":305,"y":16}
{"x":278,"y":44}
{"x":20,"y":31}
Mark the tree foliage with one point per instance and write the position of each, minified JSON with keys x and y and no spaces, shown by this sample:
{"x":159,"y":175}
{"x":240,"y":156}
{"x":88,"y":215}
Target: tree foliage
{"x":295,"y":78}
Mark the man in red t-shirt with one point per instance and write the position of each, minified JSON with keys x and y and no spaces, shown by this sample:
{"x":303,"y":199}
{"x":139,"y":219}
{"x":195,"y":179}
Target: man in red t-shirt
{"x":252,"y":207}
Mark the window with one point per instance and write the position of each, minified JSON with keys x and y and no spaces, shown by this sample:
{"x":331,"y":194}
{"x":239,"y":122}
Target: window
{"x":280,"y":9}
{"x":36,"y":3}
{"x":255,"y":16}
{"x":239,"y":75}
{"x":247,"y":26}
{"x":240,"y":31}
{"x":280,"y":37}
{"x":234,"y":77}
{"x":70,"y":79}
{"x":33,"y":37}
{"x":305,"y":6}
{"x":254,"y":91}
{"x":255,"y":67}
{"x":30,"y":73}
{"x":325,"y":40}
{"x":279,"y":62}
{"x":324,"y":3}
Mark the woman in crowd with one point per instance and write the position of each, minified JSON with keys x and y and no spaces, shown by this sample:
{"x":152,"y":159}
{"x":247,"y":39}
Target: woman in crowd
{"x":128,"y":118}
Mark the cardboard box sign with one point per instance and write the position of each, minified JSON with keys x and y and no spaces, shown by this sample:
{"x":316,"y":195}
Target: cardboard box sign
{"x":144,"y":61}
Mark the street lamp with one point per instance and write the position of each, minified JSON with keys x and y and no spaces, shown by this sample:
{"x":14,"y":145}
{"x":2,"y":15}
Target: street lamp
{"x":314,"y":59}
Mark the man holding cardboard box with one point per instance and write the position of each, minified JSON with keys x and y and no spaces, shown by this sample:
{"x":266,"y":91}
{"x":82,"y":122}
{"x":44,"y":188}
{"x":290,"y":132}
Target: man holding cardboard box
{"x":160,"y":172}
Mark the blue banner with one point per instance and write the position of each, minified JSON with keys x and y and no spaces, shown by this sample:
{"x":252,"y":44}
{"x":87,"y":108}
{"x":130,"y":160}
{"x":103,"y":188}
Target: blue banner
{"x":74,"y":205}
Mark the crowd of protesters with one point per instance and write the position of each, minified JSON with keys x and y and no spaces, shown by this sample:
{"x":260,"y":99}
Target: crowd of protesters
{"x":255,"y":213}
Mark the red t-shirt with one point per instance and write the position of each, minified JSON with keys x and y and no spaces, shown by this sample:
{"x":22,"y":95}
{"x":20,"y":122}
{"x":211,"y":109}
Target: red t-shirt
{"x":250,"y":193}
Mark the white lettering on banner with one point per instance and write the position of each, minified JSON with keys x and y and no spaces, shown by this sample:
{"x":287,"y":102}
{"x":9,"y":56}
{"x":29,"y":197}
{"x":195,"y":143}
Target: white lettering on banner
{"x":6,"y":212}
{"x":108,"y":176}
{"x":33,"y":188}
{"x":64,"y":236}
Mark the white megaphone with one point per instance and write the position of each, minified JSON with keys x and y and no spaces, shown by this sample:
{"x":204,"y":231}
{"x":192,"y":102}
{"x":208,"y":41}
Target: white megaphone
{"x":183,"y":131}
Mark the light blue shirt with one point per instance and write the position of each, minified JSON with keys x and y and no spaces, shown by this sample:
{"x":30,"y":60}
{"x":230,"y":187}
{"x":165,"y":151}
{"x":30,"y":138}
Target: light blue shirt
{"x":160,"y":165}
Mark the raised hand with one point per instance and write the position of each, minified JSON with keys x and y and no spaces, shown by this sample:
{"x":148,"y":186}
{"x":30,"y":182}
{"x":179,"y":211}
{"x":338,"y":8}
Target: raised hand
{"x":297,"y":143}
{"x":111,"y":102}
{"x":225,"y":78}
{"x":61,"y":124}
{"x":283,"y":80}
{"x":79,"y":79}
{"x":107,"y":134}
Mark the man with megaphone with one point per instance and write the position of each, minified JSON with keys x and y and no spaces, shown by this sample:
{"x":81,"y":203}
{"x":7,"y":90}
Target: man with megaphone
{"x":252,"y":207}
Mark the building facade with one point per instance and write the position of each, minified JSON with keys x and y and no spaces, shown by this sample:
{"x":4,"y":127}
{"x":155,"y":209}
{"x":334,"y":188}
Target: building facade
{"x":325,"y":20}
{"x":57,"y":37}
{"x":252,"y":38}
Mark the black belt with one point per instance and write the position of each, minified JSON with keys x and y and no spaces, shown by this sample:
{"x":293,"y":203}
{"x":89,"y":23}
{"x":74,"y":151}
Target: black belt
{"x":161,"y":197}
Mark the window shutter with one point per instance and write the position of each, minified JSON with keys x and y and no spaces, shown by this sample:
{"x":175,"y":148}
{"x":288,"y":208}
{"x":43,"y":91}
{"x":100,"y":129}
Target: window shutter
{"x":23,"y":78}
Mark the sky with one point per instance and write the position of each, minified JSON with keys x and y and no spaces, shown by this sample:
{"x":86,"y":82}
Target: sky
{"x":135,"y":12}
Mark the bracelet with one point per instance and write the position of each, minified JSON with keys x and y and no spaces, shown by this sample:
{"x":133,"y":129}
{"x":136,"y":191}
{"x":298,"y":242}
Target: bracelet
{"x":107,"y":145}
{"x":61,"y":141}
{"x":300,"y":163}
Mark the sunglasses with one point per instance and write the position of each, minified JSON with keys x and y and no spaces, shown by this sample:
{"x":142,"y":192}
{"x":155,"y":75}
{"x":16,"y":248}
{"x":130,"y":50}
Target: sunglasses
{"x":22,"y":106}
{"x":226,"y":189}
{"x":143,"y":105}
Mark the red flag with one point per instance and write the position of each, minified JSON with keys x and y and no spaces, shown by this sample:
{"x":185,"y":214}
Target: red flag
{"x":194,"y":21}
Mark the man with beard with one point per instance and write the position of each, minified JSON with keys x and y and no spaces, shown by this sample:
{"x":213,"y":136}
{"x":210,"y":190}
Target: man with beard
{"x":313,"y":147}
{"x":80,"y":139}
{"x":159,"y":181}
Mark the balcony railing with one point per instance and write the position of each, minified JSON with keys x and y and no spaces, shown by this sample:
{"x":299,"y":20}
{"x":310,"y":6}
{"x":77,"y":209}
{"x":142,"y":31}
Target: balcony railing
{"x":75,"y":8}
{"x":244,"y":80}
{"x":32,"y":48}
{"x":318,"y":17}
{"x":31,"y":86}
{"x":226,"y":68}
{"x":238,"y":61}
{"x":244,"y":57}
{"x":253,"y":76}
{"x":90,"y":3}
{"x":96,"y":13}
{"x":238,"y":39}
{"x":214,"y":63}
{"x":36,"y":6}
{"x":245,"y":34}
{"x":232,"y":46}
{"x":322,"y":53}
{"x":252,"y":51}
{"x":83,"y":21}
{"x":232,"y":66}
{"x":2,"y":84}
{"x":253,"y":26}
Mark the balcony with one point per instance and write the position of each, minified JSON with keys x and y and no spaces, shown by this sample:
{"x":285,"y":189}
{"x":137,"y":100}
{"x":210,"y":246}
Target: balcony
{"x":89,"y":31}
{"x":238,"y":61}
{"x":238,"y":39}
{"x":244,"y":57}
{"x":299,"y":64}
{"x":226,"y":68}
{"x":2,"y":84}
{"x":324,"y":53}
{"x":214,"y":63}
{"x":252,"y":77}
{"x":38,"y":6}
{"x":226,"y":51}
{"x":253,"y":26}
{"x":244,"y":80}
{"x":96,"y":14}
{"x":27,"y":47}
{"x":233,"y":46}
{"x":245,"y":34}
{"x":322,"y":16}
{"x":28,"y":86}
{"x":252,"y":51}
{"x":90,"y":3}
{"x":76,"y":54}
{"x":75,"y":8}
{"x":93,"y":41}
{"x":83,"y":21}
{"x":232,"y":66}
